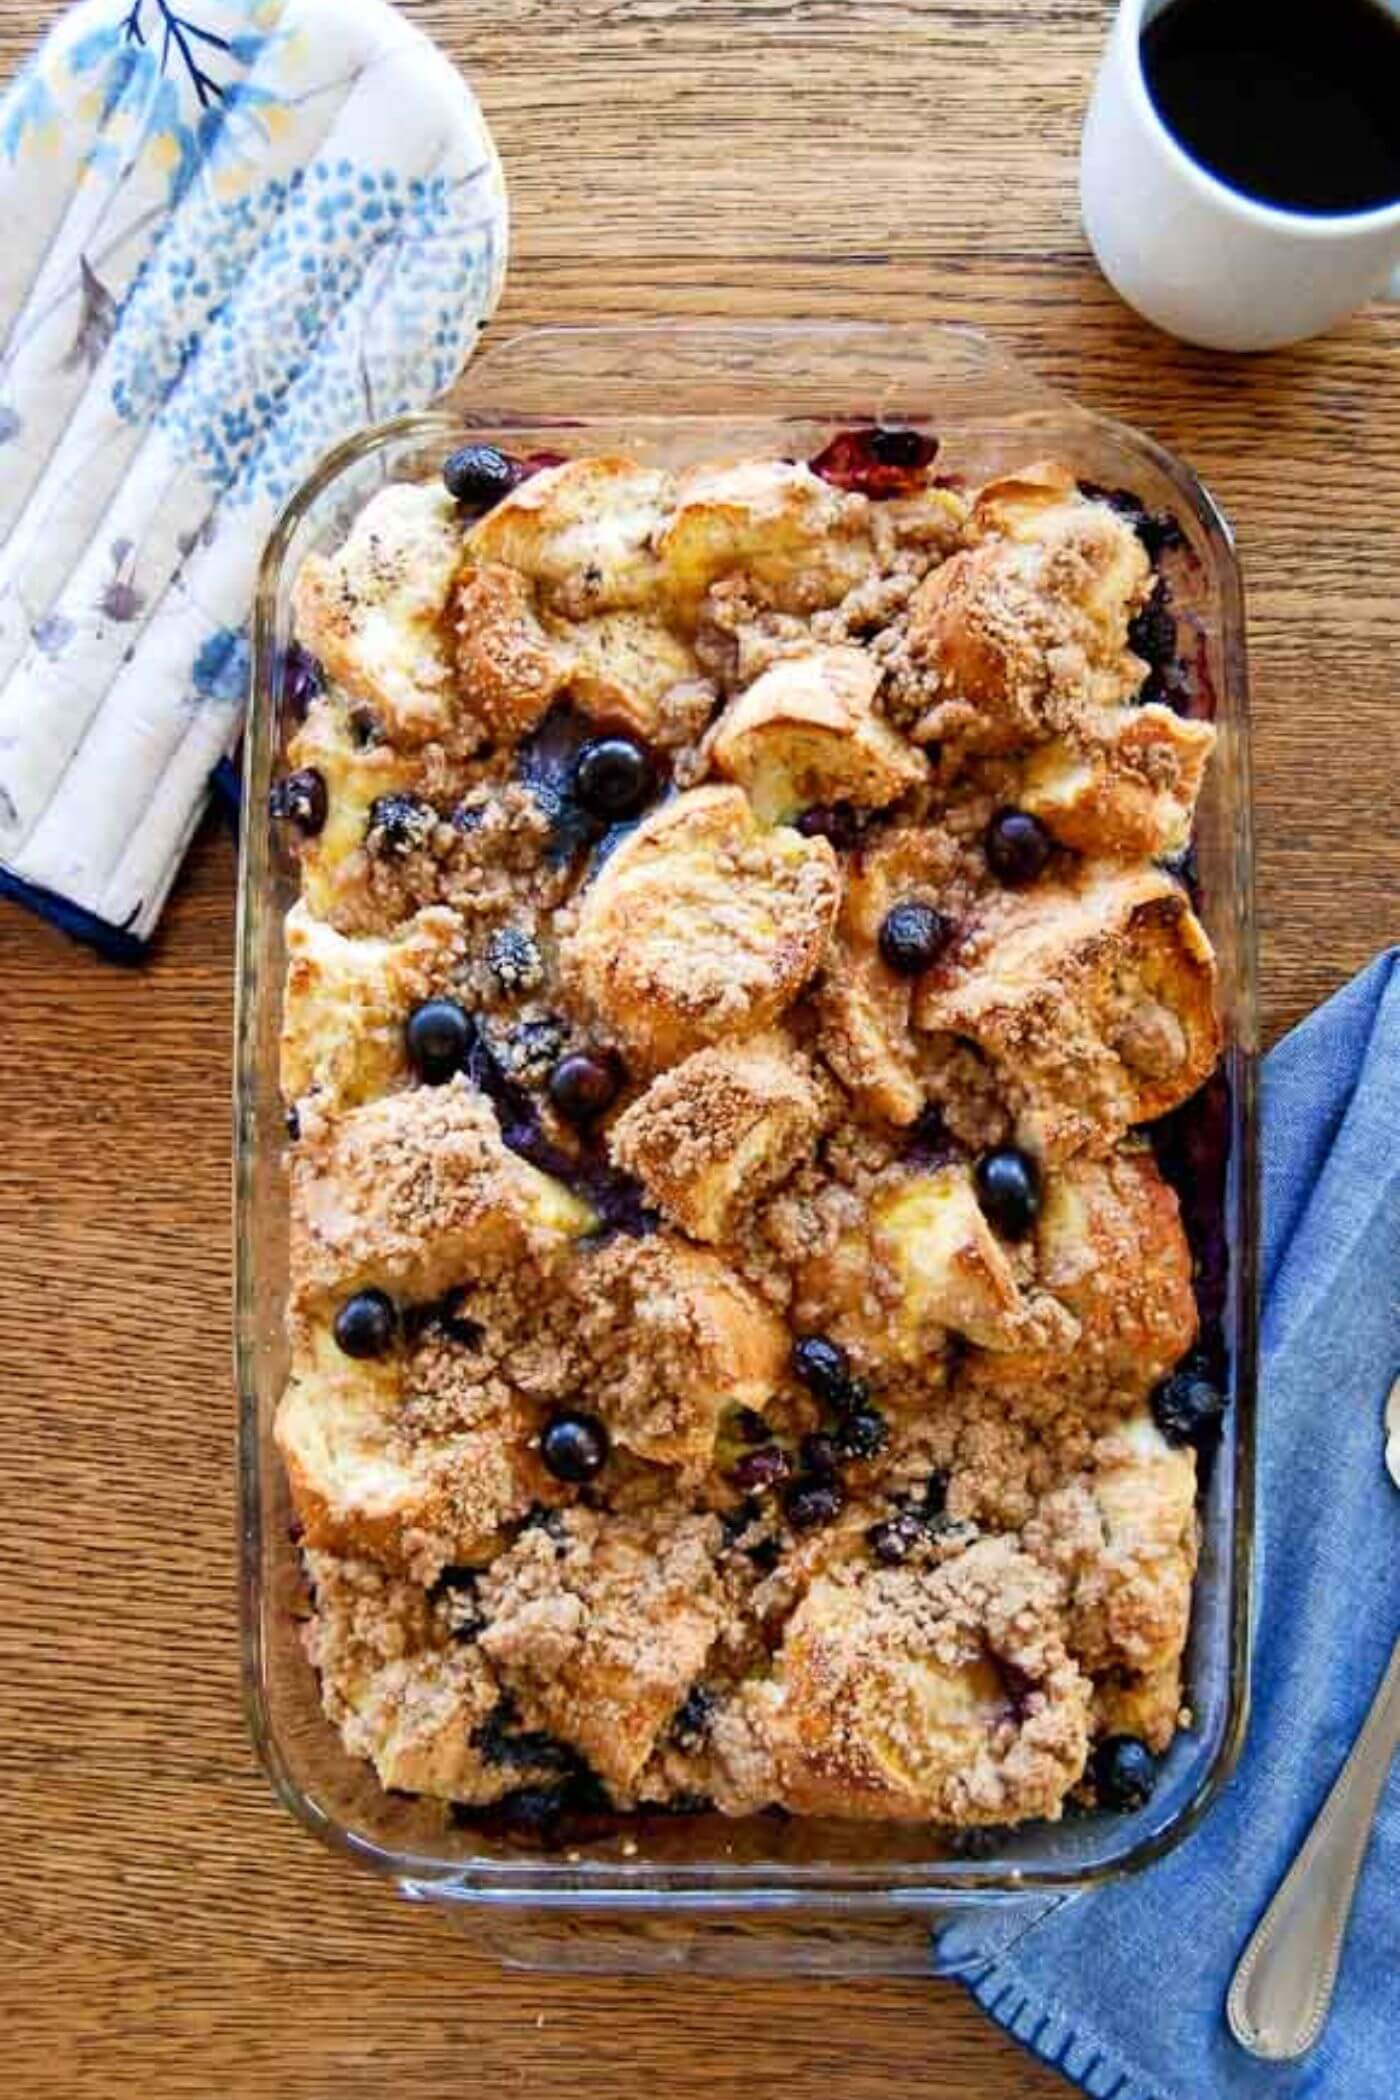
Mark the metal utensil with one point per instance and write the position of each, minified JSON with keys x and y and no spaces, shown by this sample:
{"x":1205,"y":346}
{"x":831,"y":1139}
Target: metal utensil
{"x":1282,"y":1990}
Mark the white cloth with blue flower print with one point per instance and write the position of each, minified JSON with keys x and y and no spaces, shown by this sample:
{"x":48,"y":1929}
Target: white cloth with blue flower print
{"x":235,"y":231}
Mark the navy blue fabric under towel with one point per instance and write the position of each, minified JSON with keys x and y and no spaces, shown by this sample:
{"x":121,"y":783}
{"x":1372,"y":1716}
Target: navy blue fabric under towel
{"x":1124,"y":1990}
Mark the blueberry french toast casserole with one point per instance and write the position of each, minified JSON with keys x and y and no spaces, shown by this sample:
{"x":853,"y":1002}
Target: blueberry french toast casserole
{"x":743,"y":1347}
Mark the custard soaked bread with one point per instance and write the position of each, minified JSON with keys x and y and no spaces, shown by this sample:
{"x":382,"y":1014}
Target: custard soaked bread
{"x":740,"y":1337}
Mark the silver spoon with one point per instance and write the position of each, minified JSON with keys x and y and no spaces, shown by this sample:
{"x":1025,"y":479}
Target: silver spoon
{"x":1282,"y":1990}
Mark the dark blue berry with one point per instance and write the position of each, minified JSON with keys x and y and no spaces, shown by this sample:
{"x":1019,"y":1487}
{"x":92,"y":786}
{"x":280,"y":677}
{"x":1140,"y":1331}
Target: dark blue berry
{"x":808,"y":1503}
{"x":303,"y":681}
{"x":613,"y":778}
{"x":763,"y":1468}
{"x":751,"y":1425}
{"x":300,"y":798}
{"x":819,"y":1454}
{"x":1008,"y":1189}
{"x":913,"y":937}
{"x":1186,"y":1406}
{"x":583,"y":1087}
{"x":574,"y":1447}
{"x":366,"y":1325}
{"x":478,"y":476}
{"x":875,"y":462}
{"x":1124,"y":1772}
{"x":1017,"y":846}
{"x":399,"y":825}
{"x":440,"y":1038}
{"x":863,"y":1434}
{"x":693,"y":1717}
{"x":893,"y":1540}
{"x":1152,"y":632}
{"x":836,"y":822}
{"x":824,"y":1368}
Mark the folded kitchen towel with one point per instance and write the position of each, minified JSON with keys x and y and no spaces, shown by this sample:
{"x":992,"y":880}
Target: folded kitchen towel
{"x":1124,"y":1990}
{"x":235,"y":231}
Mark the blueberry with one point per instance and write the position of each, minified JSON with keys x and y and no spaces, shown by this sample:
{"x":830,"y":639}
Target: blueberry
{"x":366,"y":1324}
{"x":894,"y":1540}
{"x":612,"y":777}
{"x":1186,"y":1405}
{"x":303,"y":680}
{"x":935,"y":1496}
{"x":808,"y":1503}
{"x":300,"y":799}
{"x":693,"y":1717}
{"x":760,"y":1469}
{"x":863,"y":1434}
{"x":1124,"y":1772}
{"x":824,"y":1368}
{"x":1008,"y":1189}
{"x":582,"y":1086}
{"x":913,"y":937}
{"x":836,"y":822}
{"x":1017,"y":846}
{"x":750,"y":1425}
{"x":819,"y":1454}
{"x":514,"y":959}
{"x":574,"y":1447}
{"x":876,"y":463}
{"x":399,"y":825}
{"x":478,"y":476}
{"x":440,"y":1037}
{"x":1152,"y":632}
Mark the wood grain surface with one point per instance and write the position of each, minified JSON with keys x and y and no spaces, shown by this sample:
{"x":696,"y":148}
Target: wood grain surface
{"x":168,"y":1930}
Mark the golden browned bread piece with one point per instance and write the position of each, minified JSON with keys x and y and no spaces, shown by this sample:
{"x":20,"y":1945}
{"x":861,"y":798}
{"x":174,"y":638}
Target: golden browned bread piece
{"x":1110,"y":1246}
{"x":923,"y":1264}
{"x":1025,"y":633}
{"x":863,"y":1005}
{"x":1123,"y":1538}
{"x":674,"y":1338}
{"x":415,"y":1192}
{"x":1093,"y":999}
{"x":1147,"y":1704}
{"x":366,"y":1480}
{"x":719,"y":1130}
{"x":375,"y":611}
{"x":402,"y":1691}
{"x":355,"y":775}
{"x":1124,"y":790}
{"x":933,"y":1694}
{"x":583,"y":532}
{"x":347,"y":1000}
{"x":508,"y":668}
{"x":798,"y":543}
{"x":598,"y":1629}
{"x":701,"y":925}
{"x":623,"y":666}
{"x":807,"y":732}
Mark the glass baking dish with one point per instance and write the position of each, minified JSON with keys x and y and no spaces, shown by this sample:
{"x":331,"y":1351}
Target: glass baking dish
{"x":842,"y":1895}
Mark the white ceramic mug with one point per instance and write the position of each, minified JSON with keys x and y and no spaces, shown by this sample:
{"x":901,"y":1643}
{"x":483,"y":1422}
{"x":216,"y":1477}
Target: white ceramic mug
{"x":1197,"y":257}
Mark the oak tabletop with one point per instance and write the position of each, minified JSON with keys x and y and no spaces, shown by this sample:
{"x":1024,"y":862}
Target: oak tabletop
{"x":169,"y":1930}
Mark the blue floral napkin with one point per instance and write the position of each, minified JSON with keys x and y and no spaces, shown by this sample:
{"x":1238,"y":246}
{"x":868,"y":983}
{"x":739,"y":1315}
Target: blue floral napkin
{"x":235,"y":231}
{"x":1124,"y":1990}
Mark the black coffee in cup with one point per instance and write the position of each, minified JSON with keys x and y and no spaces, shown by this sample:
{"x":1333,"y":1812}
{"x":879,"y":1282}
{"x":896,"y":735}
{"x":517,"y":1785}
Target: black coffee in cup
{"x":1293,"y":102}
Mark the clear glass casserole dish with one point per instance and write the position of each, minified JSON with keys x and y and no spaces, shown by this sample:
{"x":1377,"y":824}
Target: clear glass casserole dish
{"x":841,"y":1893}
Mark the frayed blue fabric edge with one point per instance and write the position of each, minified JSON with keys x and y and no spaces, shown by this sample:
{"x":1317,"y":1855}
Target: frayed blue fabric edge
{"x":1066,"y":2044}
{"x":116,"y":944}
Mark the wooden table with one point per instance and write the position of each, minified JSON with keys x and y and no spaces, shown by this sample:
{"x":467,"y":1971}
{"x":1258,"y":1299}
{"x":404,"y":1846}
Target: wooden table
{"x":170,"y":1931}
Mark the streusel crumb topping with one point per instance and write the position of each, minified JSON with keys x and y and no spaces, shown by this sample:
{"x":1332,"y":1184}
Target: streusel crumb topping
{"x":740,"y":1333}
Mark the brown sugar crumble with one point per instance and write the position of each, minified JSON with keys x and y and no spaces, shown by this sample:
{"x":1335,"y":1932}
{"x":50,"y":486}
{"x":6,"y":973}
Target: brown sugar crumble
{"x":729,"y":1279}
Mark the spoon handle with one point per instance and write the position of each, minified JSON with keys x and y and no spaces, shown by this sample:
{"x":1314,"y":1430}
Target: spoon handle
{"x":1282,"y":1989}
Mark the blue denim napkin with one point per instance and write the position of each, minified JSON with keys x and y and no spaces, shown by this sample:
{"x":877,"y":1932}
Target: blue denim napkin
{"x":1124,"y":1990}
